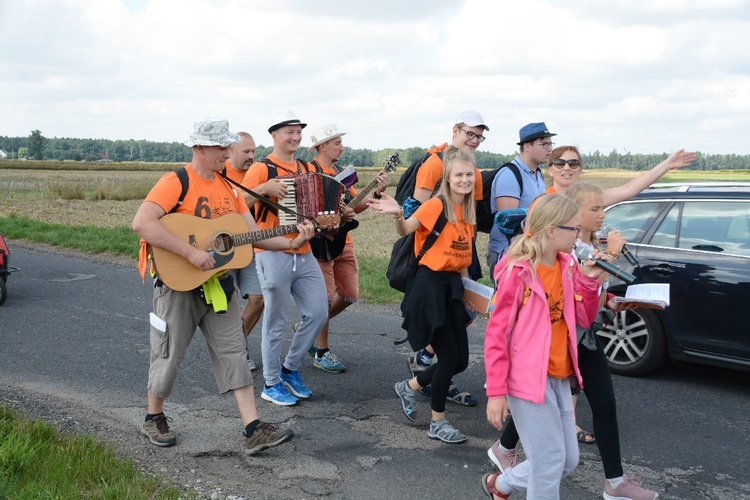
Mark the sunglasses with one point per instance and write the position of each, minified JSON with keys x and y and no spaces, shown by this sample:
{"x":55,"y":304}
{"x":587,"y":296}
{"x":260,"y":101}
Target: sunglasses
{"x":560,"y":163}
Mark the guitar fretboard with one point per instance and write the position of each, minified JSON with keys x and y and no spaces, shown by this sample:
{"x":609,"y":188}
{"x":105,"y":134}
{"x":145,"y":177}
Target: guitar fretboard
{"x":263,"y":234}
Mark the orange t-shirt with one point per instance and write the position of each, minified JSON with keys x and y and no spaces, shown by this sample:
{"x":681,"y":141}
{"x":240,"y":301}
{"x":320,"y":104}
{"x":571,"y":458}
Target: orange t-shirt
{"x":560,"y":362}
{"x":234,"y":174}
{"x":352,"y":192}
{"x":206,"y":199}
{"x":431,"y":172}
{"x":256,"y":175}
{"x":452,"y":249}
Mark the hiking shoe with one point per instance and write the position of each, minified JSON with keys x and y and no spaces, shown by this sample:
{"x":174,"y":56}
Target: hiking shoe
{"x":278,"y":394}
{"x":266,"y":436}
{"x":329,"y":362}
{"x":293,"y":382}
{"x":157,"y":431}
{"x":445,"y":432}
{"x":313,"y":350}
{"x":628,"y":489}
{"x":460,"y":397}
{"x":408,"y":400}
{"x":502,"y":459}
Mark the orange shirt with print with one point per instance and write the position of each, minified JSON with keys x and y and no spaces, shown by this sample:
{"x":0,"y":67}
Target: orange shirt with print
{"x":431,"y":172}
{"x":352,"y":192}
{"x":452,"y":249}
{"x":256,"y":175}
{"x":560,"y":363}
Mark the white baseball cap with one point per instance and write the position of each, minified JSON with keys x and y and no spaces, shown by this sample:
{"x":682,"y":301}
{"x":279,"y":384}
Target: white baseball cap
{"x":472,"y":119}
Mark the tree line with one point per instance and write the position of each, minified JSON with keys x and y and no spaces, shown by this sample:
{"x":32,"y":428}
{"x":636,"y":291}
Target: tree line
{"x":36,"y":146}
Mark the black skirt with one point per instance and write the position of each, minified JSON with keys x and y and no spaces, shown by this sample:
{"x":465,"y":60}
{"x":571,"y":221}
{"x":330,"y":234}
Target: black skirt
{"x":432,"y":299}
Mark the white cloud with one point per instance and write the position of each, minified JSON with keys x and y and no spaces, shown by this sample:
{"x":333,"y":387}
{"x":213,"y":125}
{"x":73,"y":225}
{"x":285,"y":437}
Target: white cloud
{"x":642,"y":75}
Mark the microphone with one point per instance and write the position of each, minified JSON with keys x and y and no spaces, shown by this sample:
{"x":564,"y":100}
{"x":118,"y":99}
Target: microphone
{"x":584,"y":253}
{"x":625,"y":250}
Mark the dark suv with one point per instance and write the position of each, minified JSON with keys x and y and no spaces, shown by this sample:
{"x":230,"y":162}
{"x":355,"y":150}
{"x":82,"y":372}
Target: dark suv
{"x":696,"y":237}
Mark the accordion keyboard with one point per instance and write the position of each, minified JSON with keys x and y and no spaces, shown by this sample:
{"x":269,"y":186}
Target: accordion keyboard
{"x":289,"y":201}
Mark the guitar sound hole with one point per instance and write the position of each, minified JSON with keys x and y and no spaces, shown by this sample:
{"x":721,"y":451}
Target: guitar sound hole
{"x":222,"y":243}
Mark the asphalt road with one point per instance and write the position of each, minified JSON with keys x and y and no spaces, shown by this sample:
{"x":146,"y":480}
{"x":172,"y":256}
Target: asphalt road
{"x":74,"y":334}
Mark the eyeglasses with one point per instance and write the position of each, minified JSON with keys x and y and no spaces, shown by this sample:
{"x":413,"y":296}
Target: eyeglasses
{"x":560,"y":163}
{"x":577,"y":229}
{"x":546,"y":145}
{"x":472,"y":136}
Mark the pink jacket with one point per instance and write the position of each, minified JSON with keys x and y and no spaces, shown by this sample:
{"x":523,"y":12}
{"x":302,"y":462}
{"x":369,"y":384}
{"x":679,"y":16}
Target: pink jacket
{"x":519,"y":332}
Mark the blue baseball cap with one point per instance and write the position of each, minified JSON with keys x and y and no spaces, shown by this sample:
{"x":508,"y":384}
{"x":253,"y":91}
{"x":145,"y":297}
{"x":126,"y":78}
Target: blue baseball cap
{"x":533,"y":131}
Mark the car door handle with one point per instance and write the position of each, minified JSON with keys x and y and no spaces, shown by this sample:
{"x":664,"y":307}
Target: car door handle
{"x":662,"y":270}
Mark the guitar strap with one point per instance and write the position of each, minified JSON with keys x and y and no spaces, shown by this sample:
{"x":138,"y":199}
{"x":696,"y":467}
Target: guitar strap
{"x":265,"y":199}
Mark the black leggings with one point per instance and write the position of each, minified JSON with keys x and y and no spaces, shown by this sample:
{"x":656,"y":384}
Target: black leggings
{"x":597,"y":385}
{"x":452,"y":349}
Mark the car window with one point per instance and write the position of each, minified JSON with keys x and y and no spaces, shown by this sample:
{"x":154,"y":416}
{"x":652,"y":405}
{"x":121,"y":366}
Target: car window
{"x":714,"y":226}
{"x":633,"y":219}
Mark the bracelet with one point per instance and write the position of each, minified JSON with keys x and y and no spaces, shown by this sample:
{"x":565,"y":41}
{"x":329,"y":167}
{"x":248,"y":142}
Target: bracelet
{"x":377,"y":195}
{"x":400,"y":215}
{"x":613,"y":254}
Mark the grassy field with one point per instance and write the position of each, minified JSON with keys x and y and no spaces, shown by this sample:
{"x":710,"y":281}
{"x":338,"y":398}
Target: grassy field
{"x":89,"y":208}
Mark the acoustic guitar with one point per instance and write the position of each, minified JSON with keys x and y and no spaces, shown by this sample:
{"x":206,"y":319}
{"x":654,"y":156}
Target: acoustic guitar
{"x":226,"y":238}
{"x":330,"y":247}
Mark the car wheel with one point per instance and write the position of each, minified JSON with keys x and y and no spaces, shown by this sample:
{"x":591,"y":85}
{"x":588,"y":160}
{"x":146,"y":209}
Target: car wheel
{"x":3,"y":292}
{"x":634,"y":343}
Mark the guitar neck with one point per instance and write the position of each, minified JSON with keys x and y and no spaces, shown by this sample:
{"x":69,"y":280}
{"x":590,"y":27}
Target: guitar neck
{"x":263,"y":234}
{"x":364,"y":192}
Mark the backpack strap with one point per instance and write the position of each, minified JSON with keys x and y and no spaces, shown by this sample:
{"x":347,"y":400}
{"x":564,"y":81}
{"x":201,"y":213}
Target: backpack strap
{"x":182,"y":175}
{"x":514,"y":168}
{"x":433,"y":236}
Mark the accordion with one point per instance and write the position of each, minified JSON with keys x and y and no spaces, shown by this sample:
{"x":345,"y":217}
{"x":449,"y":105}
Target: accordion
{"x":313,"y":195}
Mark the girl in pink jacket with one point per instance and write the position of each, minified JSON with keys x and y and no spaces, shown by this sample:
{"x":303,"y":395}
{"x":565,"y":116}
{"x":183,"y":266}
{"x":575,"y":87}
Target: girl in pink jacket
{"x":530,"y":347}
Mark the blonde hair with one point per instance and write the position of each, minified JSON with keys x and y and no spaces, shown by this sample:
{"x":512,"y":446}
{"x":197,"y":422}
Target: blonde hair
{"x":548,"y":211}
{"x":453,"y":155}
{"x":578,"y":192}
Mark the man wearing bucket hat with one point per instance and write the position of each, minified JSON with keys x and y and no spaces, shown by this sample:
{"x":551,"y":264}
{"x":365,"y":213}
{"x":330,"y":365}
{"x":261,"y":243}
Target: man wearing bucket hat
{"x":342,"y":281}
{"x":535,"y":149}
{"x":285,"y":273}
{"x":177,"y":314}
{"x":468,"y":133}
{"x":242,"y":156}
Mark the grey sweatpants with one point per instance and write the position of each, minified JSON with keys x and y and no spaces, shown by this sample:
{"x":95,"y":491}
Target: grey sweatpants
{"x":283,"y":276}
{"x":548,"y":434}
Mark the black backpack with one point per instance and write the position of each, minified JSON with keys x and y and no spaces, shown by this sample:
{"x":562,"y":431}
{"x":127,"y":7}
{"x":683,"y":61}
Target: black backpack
{"x":485,"y":209}
{"x":408,"y":180}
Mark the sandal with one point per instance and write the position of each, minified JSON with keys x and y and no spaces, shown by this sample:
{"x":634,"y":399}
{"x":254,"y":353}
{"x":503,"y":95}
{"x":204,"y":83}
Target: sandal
{"x":460,"y":397}
{"x":489,"y":488}
{"x":445,"y":432}
{"x":585,"y":437}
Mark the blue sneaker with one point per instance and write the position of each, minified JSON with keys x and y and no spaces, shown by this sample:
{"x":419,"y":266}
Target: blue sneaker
{"x":293,"y":382}
{"x":329,"y":362}
{"x":278,"y":394}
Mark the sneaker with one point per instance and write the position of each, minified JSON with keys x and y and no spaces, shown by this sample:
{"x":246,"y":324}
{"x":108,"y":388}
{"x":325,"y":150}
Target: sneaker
{"x":278,"y":394}
{"x":312,"y":351}
{"x":502,"y":459}
{"x":293,"y":382}
{"x":628,"y":489}
{"x":251,"y":364}
{"x":445,"y":432}
{"x":266,"y":436}
{"x":157,"y":431}
{"x":407,"y":396}
{"x":329,"y":362}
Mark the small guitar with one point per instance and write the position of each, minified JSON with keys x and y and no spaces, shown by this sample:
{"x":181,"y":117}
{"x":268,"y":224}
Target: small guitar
{"x":226,"y":238}
{"x":331,"y":247}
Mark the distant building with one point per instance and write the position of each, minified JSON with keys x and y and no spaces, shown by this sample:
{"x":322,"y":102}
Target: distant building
{"x":103,"y":157}
{"x":3,"y":154}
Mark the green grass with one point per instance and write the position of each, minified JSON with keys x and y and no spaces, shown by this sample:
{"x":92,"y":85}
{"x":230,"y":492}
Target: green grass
{"x":373,"y":285}
{"x":38,"y":462}
{"x":120,"y":240}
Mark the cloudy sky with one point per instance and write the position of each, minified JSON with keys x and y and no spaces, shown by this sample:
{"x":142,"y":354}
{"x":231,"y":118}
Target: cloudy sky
{"x":644,"y":76}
